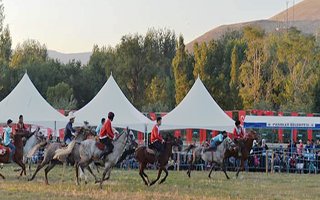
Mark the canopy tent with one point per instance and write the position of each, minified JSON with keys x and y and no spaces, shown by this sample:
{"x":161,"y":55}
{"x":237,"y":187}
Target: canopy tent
{"x":284,"y":122}
{"x":111,"y":98}
{"x":198,"y":110}
{"x":25,"y":100}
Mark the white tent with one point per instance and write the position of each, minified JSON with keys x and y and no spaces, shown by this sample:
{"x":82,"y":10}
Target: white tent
{"x":25,"y":100}
{"x":198,"y":110}
{"x":284,"y":122}
{"x":111,"y":98}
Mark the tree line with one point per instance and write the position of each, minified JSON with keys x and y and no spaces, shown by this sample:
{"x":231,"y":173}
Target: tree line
{"x":247,"y":69}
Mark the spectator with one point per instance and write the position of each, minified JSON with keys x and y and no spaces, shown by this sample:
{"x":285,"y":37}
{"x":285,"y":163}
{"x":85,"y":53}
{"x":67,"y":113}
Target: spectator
{"x":180,"y":143}
{"x":300,"y":148}
{"x":309,"y":147}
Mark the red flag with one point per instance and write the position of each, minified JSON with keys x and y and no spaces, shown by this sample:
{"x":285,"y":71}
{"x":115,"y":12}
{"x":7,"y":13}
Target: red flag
{"x":280,"y":131}
{"x":295,"y":131}
{"x":309,"y":130}
{"x":177,"y":133}
{"x":62,"y":111}
{"x":260,"y":112}
{"x":203,"y":135}
{"x":140,"y":137}
{"x":153,"y":116}
{"x":189,"y":136}
{"x":49,"y":131}
{"x":61,"y":134}
{"x":241,"y":115}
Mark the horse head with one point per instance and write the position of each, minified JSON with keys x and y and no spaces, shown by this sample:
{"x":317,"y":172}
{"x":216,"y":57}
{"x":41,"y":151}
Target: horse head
{"x":228,"y":143}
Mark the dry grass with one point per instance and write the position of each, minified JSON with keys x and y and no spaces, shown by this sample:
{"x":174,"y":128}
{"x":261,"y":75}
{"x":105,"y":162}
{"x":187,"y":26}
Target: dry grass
{"x":128,"y":185}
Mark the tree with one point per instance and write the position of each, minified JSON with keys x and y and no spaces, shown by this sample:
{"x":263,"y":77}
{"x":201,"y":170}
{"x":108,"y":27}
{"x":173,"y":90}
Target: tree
{"x":182,"y":70}
{"x":61,"y":96}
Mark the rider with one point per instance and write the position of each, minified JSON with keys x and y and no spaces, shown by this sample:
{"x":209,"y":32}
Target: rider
{"x":156,"y":139}
{"x":215,"y":141}
{"x":238,"y":133}
{"x":98,"y":129}
{"x":7,"y":139}
{"x":21,"y":127}
{"x":107,"y":133}
{"x":69,"y":131}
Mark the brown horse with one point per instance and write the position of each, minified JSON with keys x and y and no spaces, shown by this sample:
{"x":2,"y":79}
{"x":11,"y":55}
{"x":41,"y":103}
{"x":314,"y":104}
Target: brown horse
{"x":144,"y":156}
{"x":18,"y":155}
{"x":245,"y":151}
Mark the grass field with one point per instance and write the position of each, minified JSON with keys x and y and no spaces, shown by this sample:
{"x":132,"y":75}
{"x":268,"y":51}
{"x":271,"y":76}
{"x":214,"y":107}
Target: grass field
{"x":128,"y":185}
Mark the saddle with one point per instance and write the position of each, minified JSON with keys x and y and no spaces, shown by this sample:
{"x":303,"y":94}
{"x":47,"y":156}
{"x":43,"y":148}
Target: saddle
{"x":151,"y":151}
{"x":100,"y":146}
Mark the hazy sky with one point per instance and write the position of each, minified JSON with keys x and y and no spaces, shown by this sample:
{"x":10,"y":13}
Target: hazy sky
{"x":76,"y":25}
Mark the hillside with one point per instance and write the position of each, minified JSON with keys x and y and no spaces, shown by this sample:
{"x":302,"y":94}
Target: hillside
{"x":307,"y":20}
{"x":66,"y":57}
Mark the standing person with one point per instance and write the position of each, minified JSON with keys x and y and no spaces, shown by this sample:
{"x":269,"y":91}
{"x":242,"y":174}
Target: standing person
{"x":98,"y":129}
{"x":7,"y":139}
{"x":21,"y":127}
{"x":238,"y":133}
{"x":156,"y":139}
{"x":69,"y":131}
{"x":107,"y":134}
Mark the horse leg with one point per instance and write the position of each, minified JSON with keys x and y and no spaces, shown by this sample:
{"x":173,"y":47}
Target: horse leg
{"x":166,"y":171}
{"x":159,"y":174}
{"x":241,"y":167}
{"x":84,"y":164}
{"x":223,"y":167}
{"x":40,"y":166}
{"x":2,"y":176}
{"x":212,"y":167}
{"x":91,"y":172}
{"x":22,"y":165}
{"x":141,"y":173}
{"x":106,"y":169}
{"x":47,"y":169}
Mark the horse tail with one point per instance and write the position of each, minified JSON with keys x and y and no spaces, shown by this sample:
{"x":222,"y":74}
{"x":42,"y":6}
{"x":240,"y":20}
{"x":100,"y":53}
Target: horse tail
{"x":189,"y":148}
{"x":60,"y":154}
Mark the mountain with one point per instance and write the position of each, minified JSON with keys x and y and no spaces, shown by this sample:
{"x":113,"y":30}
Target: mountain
{"x":66,"y":57}
{"x":306,"y":18}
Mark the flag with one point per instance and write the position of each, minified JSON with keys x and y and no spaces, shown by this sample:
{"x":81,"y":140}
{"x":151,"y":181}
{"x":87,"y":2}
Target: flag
{"x":177,"y":133}
{"x":241,"y":115}
{"x":309,"y":130}
{"x":295,"y":131}
{"x":140,"y":137}
{"x":189,"y":136}
{"x":153,"y":116}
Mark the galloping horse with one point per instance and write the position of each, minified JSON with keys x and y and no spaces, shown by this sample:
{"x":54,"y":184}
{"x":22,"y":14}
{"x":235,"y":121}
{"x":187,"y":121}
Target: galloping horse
{"x":245,"y":151}
{"x":214,"y":157}
{"x":19,"y":153}
{"x":144,"y":156}
{"x":89,"y":151}
{"x":50,"y":152}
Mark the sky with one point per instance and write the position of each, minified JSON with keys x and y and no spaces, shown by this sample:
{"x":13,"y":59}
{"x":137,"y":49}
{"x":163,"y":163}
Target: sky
{"x":72,"y":26}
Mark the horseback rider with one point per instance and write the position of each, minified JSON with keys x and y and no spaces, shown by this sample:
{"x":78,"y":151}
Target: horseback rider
{"x":21,"y":127}
{"x":107,"y":134}
{"x":7,"y":139}
{"x":238,"y":133}
{"x":69,"y":131}
{"x":215,"y":141}
{"x":98,"y":129}
{"x":156,"y":139}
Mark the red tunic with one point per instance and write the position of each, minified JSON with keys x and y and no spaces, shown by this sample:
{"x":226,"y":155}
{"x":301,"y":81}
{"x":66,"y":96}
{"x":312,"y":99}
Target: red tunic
{"x":238,"y":133}
{"x":155,"y":134}
{"x":106,"y":130}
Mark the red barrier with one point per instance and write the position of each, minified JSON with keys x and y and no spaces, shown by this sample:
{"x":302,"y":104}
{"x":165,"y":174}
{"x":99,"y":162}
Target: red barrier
{"x":309,"y":130}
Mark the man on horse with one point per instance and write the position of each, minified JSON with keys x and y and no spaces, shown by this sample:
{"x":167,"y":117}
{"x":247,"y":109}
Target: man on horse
{"x":7,"y":139}
{"x":69,"y":131}
{"x":98,"y":129}
{"x":21,"y":128}
{"x":238,"y":133}
{"x":107,"y":134}
{"x":156,"y":139}
{"x":215,"y":141}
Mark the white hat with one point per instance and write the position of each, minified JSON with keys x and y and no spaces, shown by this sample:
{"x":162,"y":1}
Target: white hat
{"x":71,"y":115}
{"x":300,"y":140}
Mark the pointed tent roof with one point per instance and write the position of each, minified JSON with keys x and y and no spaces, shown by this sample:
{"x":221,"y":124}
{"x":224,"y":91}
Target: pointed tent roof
{"x":198,"y":110}
{"x":25,"y":100}
{"x":111,"y":98}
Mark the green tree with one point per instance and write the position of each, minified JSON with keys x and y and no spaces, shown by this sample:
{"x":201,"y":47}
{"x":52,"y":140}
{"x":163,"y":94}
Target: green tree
{"x":61,"y":96}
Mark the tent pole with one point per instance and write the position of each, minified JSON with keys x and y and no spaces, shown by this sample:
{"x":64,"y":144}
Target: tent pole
{"x":55,"y":129}
{"x":291,"y":143}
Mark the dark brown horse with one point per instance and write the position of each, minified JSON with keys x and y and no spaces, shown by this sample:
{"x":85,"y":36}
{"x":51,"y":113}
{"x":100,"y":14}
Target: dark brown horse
{"x":18,"y":155}
{"x":143,"y":156}
{"x":245,"y":151}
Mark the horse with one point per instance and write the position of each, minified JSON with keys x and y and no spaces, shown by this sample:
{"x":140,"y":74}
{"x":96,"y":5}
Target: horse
{"x":19,"y":153}
{"x":245,"y":151}
{"x":57,"y":148}
{"x":145,"y":155}
{"x":214,"y":157}
{"x":90,"y":151}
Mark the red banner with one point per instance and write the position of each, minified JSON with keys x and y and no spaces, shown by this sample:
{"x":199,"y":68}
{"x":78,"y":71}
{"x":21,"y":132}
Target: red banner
{"x":177,"y":133}
{"x":241,"y":115}
{"x":153,"y":116}
{"x":140,"y":138}
{"x":203,"y":135}
{"x":214,"y":133}
{"x":309,"y":130}
{"x":49,"y":131}
{"x":62,"y":111}
{"x":280,"y":131}
{"x":295,"y":131}
{"x":163,"y":114}
{"x":189,"y":136}
{"x":260,"y":112}
{"x":229,"y":113}
{"x":61,"y":134}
